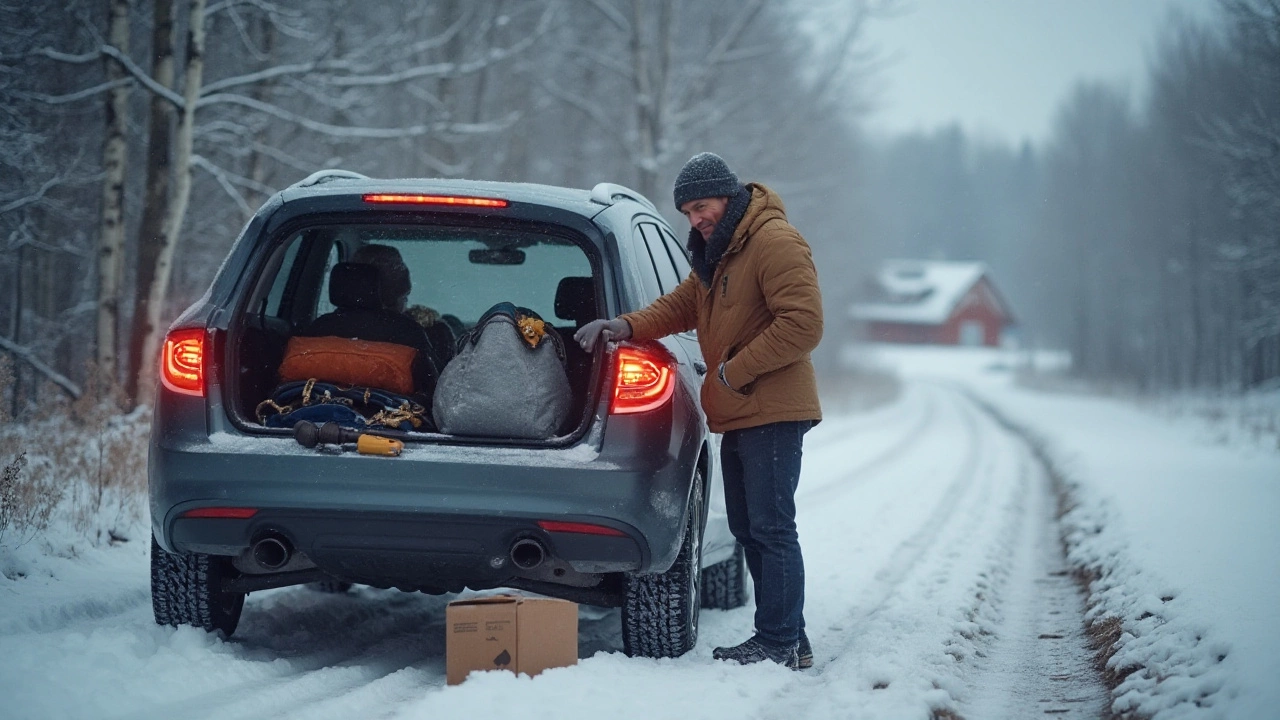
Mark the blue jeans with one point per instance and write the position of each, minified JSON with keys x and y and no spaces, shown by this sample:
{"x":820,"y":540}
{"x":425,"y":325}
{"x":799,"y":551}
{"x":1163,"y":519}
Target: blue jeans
{"x":761,"y":468}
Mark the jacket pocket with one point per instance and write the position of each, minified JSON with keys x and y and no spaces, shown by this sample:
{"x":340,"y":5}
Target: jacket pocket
{"x":723,"y":404}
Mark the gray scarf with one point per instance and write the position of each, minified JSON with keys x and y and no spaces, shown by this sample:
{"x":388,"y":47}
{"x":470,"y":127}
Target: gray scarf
{"x":706,"y":254}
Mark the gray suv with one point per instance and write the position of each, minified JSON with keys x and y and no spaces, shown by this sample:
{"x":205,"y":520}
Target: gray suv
{"x":621,"y":507}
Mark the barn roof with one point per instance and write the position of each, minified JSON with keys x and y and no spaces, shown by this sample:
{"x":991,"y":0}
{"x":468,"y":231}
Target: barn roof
{"x":918,"y":291}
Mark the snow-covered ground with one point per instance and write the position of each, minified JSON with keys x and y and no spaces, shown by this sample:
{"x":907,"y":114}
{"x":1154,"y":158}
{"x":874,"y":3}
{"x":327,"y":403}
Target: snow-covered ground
{"x":935,"y":588}
{"x":1178,"y":519}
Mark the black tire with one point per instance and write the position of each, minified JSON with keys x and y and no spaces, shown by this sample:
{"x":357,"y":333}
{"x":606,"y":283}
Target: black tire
{"x":724,"y":585}
{"x":660,"y":613}
{"x":187,"y":590}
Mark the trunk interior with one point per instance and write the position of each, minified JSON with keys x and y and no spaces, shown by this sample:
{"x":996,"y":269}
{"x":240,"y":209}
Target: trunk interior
{"x":411,"y":285}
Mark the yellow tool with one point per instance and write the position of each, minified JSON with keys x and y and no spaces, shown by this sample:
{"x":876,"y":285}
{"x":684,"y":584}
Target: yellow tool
{"x":374,"y":445}
{"x":310,"y":435}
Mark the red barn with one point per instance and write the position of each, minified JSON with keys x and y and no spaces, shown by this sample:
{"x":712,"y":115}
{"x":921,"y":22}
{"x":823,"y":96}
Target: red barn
{"x":932,"y":302}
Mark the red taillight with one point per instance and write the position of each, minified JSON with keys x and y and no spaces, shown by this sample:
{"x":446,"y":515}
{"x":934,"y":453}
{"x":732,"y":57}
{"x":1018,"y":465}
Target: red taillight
{"x":644,"y":380}
{"x":233,"y":513}
{"x":182,"y":362}
{"x":417,"y":199}
{"x":580,"y":528}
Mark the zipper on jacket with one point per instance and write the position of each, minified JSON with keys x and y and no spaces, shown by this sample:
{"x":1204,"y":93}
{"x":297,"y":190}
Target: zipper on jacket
{"x":724,"y":286}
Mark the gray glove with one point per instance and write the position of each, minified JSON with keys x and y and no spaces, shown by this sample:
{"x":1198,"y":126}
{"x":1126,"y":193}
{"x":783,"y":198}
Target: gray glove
{"x":589,"y":334}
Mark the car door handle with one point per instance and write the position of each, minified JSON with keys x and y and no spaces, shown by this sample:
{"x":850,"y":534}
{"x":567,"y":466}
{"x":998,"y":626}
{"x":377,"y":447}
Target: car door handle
{"x":699,"y":367}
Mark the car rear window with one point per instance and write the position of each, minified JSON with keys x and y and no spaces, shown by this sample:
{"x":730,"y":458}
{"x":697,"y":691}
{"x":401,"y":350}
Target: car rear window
{"x":456,"y":271}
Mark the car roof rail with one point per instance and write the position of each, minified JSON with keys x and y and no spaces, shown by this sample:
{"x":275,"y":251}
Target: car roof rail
{"x":323,"y":176}
{"x":604,"y":193}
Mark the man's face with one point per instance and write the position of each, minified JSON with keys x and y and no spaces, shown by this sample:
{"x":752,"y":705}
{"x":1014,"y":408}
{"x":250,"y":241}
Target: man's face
{"x":704,"y":213}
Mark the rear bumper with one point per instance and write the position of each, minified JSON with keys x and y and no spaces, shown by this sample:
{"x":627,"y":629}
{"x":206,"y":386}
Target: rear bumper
{"x":410,"y":550}
{"x":436,"y":517}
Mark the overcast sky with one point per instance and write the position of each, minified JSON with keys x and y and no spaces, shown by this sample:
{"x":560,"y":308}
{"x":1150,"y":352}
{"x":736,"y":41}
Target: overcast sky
{"x":1000,"y":67}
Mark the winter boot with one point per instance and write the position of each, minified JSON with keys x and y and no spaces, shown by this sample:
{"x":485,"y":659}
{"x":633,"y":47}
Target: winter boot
{"x":804,"y":652}
{"x":755,"y":650}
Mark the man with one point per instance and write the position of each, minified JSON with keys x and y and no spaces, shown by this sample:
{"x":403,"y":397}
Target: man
{"x":753,"y":297}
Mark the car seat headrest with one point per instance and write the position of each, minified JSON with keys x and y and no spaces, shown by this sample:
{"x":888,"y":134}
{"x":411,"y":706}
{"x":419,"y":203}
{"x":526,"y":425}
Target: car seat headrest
{"x":392,"y":272}
{"x":576,"y":300}
{"x":354,"y":286}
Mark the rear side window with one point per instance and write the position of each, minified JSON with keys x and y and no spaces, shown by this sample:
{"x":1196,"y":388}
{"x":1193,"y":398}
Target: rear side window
{"x":668,"y":278}
{"x":322,"y":300}
{"x":677,"y":253}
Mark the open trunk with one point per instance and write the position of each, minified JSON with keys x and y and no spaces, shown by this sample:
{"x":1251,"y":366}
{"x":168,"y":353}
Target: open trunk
{"x":313,"y":282}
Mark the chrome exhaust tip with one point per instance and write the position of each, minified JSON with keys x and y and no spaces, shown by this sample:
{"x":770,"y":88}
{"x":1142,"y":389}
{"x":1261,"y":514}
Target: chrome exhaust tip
{"x":272,"y":553}
{"x":527,"y":553}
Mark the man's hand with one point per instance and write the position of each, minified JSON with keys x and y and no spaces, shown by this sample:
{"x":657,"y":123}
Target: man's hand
{"x":589,"y":334}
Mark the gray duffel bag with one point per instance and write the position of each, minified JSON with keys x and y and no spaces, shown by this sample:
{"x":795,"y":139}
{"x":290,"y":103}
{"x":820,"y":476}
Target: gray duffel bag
{"x":500,"y":384}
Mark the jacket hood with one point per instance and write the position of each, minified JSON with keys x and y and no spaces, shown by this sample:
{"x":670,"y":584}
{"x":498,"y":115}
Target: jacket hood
{"x":766,"y":205}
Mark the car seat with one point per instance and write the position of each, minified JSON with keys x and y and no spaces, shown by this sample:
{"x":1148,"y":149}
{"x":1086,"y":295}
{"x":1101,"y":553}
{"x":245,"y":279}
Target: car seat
{"x":576,"y":300}
{"x":358,"y":313}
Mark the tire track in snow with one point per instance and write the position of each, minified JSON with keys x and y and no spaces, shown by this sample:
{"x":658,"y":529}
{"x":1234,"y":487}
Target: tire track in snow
{"x":310,"y":656}
{"x":924,"y":566}
{"x":849,"y":479}
{"x":916,"y":547}
{"x":893,"y":572}
{"x":1038,"y":661}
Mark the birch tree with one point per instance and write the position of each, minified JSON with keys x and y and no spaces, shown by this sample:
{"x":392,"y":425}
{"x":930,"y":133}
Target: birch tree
{"x":176,"y":207}
{"x":159,"y":150}
{"x":111,"y":232}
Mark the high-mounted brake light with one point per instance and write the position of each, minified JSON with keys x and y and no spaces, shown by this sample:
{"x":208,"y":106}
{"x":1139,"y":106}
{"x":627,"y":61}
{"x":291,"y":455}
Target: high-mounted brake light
{"x":231,"y":513}
{"x":417,"y":199}
{"x":644,"y":381}
{"x":182,"y":362}
{"x":579,"y":528}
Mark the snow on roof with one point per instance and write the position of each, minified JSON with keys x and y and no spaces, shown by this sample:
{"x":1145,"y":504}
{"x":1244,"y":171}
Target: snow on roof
{"x":919,"y":291}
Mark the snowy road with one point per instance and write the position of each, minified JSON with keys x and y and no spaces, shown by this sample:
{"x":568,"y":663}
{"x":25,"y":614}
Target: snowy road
{"x":935,"y":581}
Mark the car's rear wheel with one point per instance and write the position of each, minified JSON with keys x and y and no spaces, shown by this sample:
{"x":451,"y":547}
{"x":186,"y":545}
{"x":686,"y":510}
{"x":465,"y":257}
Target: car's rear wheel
{"x":187,"y":590}
{"x":660,"y":613}
{"x":724,"y":585}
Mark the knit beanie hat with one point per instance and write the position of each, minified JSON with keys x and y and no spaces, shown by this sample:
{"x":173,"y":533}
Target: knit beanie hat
{"x":705,"y":175}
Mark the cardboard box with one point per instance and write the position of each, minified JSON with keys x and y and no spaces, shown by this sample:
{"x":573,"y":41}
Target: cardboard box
{"x":509,"y":632}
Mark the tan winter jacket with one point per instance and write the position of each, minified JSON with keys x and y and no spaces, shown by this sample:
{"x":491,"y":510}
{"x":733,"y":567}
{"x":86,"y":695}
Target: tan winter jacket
{"x":762,"y":317}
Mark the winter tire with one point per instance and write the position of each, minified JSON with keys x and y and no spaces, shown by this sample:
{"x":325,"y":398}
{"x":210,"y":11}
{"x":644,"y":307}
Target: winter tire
{"x":724,"y":585}
{"x":660,"y":612}
{"x":187,"y":590}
